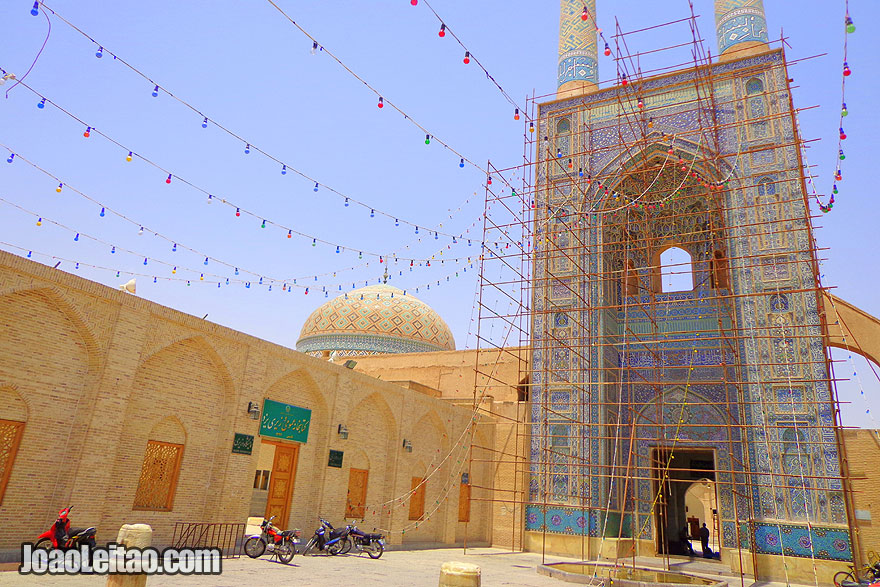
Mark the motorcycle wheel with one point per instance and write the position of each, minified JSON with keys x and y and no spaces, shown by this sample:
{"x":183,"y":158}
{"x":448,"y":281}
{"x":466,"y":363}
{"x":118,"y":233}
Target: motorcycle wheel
{"x":843,"y":576}
{"x":44,"y":543}
{"x":375,"y":549}
{"x":254,"y":547}
{"x":336,"y":547}
{"x":349,"y":544}
{"x":309,"y":545}
{"x":285,"y":552}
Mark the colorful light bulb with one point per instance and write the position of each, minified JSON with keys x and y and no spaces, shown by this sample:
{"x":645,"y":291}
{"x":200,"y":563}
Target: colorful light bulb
{"x":237,"y":212}
{"x":29,"y":254}
{"x":100,"y":52}
{"x":414,"y":2}
{"x":607,"y":50}
{"x":284,"y":170}
{"x":35,"y":11}
{"x":174,"y":248}
{"x":88,"y":132}
{"x":76,"y":238}
{"x":314,"y":47}
{"x":531,"y":127}
{"x":206,"y":260}
{"x":427,"y":139}
{"x":247,"y":148}
{"x":205,"y":122}
{"x":516,"y":113}
{"x":839,"y":175}
{"x":210,"y":199}
{"x":372,"y":213}
{"x":841,"y":155}
{"x":467,"y":57}
{"x":846,"y":69}
{"x":843,"y":110}
{"x":141,"y":231}
{"x":201,"y":277}
{"x":381,"y":103}
{"x":623,"y":79}
{"x":156,"y":91}
{"x":442,"y":32}
{"x":641,"y":104}
{"x":59,"y":188}
{"x":102,"y":213}
{"x":263,"y":225}
{"x":850,"y":26}
{"x":316,"y":186}
{"x":585,"y":14}
{"x":236,"y":270}
{"x":396,"y":222}
{"x":834,"y":189}
{"x":40,"y":221}
{"x":489,"y":180}
{"x":128,"y":157}
{"x":168,"y":179}
{"x":41,"y":104}
{"x":76,"y":266}
{"x":842,"y":134}
{"x":346,"y":202}
{"x":461,"y":163}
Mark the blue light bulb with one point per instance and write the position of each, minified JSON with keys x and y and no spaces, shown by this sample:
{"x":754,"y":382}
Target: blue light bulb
{"x":346,"y":202}
{"x":372,"y":213}
{"x":396,"y":222}
{"x":247,"y":148}
{"x":174,"y":248}
{"x":206,"y":260}
{"x":461,"y":163}
{"x":76,"y":238}
{"x":42,"y":104}
{"x":236,"y":270}
{"x":112,"y":249}
{"x":205,"y":122}
{"x":261,"y":281}
{"x":29,"y":254}
{"x":316,"y":186}
{"x":35,"y":11}
{"x":417,"y":230}
{"x":100,"y":52}
{"x":102,"y":213}
{"x":11,"y":158}
{"x":156,"y":91}
{"x":284,"y":170}
{"x":145,"y":260}
{"x":247,"y":285}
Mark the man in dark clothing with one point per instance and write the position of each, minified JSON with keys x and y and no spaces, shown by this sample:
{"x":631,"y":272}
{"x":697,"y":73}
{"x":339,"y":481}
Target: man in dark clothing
{"x":686,"y":542}
{"x":704,"y":541}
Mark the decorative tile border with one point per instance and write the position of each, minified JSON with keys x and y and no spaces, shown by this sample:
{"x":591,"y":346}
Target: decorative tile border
{"x":800,"y":541}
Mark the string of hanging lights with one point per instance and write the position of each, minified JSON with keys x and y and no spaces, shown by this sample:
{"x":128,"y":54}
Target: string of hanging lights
{"x":469,"y":57}
{"x":158,"y":89}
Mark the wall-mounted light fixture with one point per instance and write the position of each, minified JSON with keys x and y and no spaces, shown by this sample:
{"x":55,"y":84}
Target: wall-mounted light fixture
{"x":253,"y":411}
{"x":349,"y":364}
{"x":407,"y":445}
{"x":343,"y":432}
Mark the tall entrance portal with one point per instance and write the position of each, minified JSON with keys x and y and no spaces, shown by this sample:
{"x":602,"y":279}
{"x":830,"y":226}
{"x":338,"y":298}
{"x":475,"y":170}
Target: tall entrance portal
{"x":658,"y":261}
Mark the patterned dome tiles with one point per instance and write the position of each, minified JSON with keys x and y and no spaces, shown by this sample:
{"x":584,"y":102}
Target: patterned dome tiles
{"x":384,"y":321}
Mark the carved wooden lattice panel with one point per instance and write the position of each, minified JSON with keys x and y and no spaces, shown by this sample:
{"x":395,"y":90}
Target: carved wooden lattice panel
{"x":158,"y":480}
{"x":10,"y":437}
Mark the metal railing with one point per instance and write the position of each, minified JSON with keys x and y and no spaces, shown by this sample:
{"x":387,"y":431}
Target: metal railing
{"x":228,"y":537}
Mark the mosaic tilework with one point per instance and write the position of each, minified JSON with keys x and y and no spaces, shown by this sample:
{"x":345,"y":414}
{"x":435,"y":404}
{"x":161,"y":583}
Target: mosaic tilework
{"x":377,"y":318}
{"x":823,"y":543}
{"x":739,"y":21}
{"x":577,"y":43}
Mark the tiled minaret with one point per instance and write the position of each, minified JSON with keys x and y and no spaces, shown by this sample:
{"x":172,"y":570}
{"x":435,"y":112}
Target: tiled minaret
{"x":578,"y":65}
{"x":741,"y":27}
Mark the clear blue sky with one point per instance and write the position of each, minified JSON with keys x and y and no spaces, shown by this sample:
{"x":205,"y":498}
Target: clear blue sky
{"x":245,"y":66}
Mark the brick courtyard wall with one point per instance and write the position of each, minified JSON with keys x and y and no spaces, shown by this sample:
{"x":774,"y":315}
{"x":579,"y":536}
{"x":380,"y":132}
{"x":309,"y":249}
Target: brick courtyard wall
{"x":95,"y":373}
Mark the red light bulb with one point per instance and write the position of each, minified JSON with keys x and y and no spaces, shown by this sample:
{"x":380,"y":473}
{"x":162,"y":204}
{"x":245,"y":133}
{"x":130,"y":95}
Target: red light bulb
{"x":381,"y":103}
{"x":846,"y":69}
{"x":641,"y":104}
{"x":442,"y":32}
{"x":585,"y":14}
{"x":88,"y":132}
{"x":842,"y":135}
{"x":168,"y":180}
{"x":624,"y":81}
{"x":607,"y":50}
{"x":516,"y":113}
{"x":414,"y":2}
{"x":238,"y":212}
{"x":467,"y":57}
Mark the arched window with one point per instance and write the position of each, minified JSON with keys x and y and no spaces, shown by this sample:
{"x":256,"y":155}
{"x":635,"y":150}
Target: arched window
{"x":676,"y":270}
{"x":756,"y":108}
{"x":768,"y":213}
{"x":796,"y":464}
{"x":563,"y":141}
{"x":563,"y":126}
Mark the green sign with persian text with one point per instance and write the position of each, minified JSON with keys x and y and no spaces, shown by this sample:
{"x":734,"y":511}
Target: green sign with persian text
{"x":285,"y":421}
{"x":243,"y":444}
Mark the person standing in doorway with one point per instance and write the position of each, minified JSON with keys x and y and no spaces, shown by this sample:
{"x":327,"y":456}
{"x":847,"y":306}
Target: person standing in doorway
{"x":686,"y":547}
{"x":704,"y":541}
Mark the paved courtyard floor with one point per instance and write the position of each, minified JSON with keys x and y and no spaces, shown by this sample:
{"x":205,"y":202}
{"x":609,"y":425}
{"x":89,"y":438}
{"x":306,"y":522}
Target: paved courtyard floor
{"x":404,"y":568}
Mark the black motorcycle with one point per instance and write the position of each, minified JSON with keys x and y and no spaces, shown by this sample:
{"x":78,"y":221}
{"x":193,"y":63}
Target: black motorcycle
{"x":372,"y":544}
{"x":327,"y":538}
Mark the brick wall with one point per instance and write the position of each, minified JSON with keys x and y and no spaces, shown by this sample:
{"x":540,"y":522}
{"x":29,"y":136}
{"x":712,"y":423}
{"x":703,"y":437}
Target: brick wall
{"x":96,"y":373}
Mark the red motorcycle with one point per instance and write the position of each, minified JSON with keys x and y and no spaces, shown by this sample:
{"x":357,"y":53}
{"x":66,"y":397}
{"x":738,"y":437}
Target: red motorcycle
{"x":281,"y":543}
{"x":61,"y":536}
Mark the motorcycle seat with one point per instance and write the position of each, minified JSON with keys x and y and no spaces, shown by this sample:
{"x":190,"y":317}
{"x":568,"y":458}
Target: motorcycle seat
{"x":83,"y":532}
{"x":287,"y":533}
{"x":372,"y":536}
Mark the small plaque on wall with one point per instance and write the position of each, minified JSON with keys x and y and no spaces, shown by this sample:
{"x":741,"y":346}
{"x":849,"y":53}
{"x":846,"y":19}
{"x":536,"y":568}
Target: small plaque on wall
{"x":335,"y":459}
{"x":243,"y":444}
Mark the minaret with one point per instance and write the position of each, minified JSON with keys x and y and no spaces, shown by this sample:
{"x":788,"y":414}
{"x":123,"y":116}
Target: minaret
{"x":578,"y":58}
{"x":741,"y":27}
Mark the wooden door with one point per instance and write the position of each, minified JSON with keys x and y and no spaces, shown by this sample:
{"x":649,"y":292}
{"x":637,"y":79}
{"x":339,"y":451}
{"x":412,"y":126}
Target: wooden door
{"x":417,"y":501}
{"x":355,"y":505}
{"x":464,"y":503}
{"x":281,"y":483}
